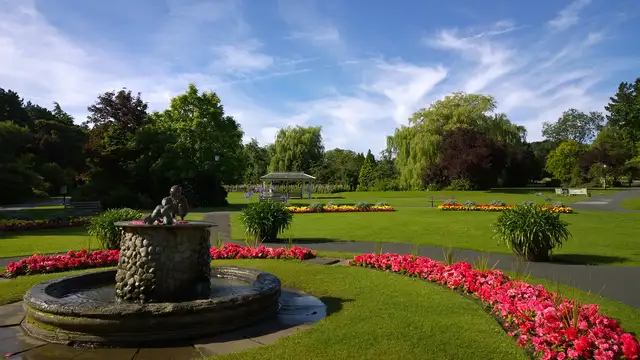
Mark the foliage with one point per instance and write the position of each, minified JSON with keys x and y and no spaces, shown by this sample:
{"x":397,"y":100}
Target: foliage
{"x":72,"y":260}
{"x":417,"y":146}
{"x":264,"y":220}
{"x":256,"y":159}
{"x":624,"y":109}
{"x":362,"y":205}
{"x":102,"y":228}
{"x":31,"y":224}
{"x":564,"y":162}
{"x":233,"y":251}
{"x":531,"y":232}
{"x":382,"y":203}
{"x":574,"y":125}
{"x":367,"y":172}
{"x":297,"y":149}
{"x":339,"y":166}
{"x":316,"y":207}
{"x":333,"y":208}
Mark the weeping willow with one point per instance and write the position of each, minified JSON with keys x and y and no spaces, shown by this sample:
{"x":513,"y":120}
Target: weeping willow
{"x":416,"y":146}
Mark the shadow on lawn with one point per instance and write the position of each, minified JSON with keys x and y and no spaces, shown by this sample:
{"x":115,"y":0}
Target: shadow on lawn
{"x":68,"y":231}
{"x":584,"y":259}
{"x":333,"y":304}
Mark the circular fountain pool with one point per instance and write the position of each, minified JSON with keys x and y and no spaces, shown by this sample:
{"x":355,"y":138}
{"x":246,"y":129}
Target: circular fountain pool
{"x":84,"y":309}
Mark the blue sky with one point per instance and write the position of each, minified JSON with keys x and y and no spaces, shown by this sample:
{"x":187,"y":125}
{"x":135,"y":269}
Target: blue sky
{"x":358,"y":68}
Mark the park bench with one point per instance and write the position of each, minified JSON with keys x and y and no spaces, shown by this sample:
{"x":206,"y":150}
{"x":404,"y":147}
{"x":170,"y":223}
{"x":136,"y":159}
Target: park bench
{"x":85,"y":208}
{"x":562,"y":192}
{"x":276,"y":196}
{"x":442,"y":199}
{"x":582,"y":191}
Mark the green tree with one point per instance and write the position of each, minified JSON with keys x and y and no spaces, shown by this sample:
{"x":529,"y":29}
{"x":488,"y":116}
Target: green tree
{"x":339,"y":166}
{"x":297,"y":149}
{"x":417,"y":146}
{"x":256,"y":159}
{"x":564,"y":162}
{"x":366,"y":178}
{"x":12,"y":108}
{"x":574,"y":125}
{"x":208,"y":149}
{"x":624,"y":109}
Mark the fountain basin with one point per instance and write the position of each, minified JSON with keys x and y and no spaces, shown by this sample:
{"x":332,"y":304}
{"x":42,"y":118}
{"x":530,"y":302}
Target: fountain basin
{"x":84,"y":310}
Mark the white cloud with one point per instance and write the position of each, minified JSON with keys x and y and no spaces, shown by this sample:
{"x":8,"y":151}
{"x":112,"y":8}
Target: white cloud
{"x":242,"y":57}
{"x":568,"y":16}
{"x":329,"y":34}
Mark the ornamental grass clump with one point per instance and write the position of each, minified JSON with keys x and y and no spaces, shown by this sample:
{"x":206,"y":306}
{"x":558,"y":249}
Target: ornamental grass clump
{"x":103,"y":229}
{"x":531,"y":232}
{"x":316,"y":207}
{"x":264,"y":220}
{"x":362,"y":205}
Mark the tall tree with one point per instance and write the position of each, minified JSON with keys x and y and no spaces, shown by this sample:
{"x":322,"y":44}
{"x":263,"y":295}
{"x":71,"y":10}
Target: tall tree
{"x":341,"y":167}
{"x":624,"y":109}
{"x":12,"y":109}
{"x":297,"y":149}
{"x":574,"y":125}
{"x":417,"y":146}
{"x":208,"y":142}
{"x":468,"y":155}
{"x":366,"y":177}
{"x":564,"y":162}
{"x":256,"y":160}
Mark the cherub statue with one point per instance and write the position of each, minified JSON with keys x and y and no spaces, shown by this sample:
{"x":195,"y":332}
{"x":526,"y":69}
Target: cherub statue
{"x":172,"y":206}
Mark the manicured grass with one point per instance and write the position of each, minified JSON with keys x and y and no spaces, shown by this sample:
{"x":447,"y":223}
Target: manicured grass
{"x":631,"y":204}
{"x":421,"y":198}
{"x":374,"y":314}
{"x":598,"y":237}
{"x":51,"y":241}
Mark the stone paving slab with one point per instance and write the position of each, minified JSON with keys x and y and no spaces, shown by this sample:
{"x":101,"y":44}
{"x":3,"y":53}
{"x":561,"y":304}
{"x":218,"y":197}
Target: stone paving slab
{"x":171,"y":353}
{"x":12,"y":314}
{"x":108,"y":354}
{"x":225,"y":344}
{"x":323,"y":261}
{"x":50,"y":352}
{"x":19,"y":344}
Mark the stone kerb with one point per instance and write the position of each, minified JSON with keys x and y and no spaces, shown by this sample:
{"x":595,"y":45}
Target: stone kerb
{"x":163,"y":263}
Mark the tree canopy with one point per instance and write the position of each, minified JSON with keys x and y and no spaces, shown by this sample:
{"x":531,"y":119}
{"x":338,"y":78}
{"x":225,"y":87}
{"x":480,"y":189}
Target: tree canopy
{"x":574,"y":125}
{"x":297,"y":148}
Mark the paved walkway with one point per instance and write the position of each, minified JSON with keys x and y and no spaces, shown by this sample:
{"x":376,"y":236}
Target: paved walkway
{"x":608,"y":202}
{"x":614,"y":282}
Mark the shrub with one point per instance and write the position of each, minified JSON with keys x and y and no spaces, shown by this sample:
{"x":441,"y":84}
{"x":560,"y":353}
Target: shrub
{"x":461,"y":185}
{"x":264,"y":220}
{"x":382,"y":203}
{"x":531,"y":232}
{"x":497,"y":203}
{"x":103,"y":229}
{"x":470,"y":203}
{"x":433,"y":187}
{"x":332,"y":203}
{"x":316,"y":206}
{"x":362,"y":205}
{"x":528,"y":203}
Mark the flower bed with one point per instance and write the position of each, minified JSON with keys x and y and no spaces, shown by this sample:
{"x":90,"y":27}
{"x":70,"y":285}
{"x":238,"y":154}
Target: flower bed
{"x":488,"y":207}
{"x":233,"y":251}
{"x":339,"y":208}
{"x":72,"y":260}
{"x":76,"y":260}
{"x":15,"y":224}
{"x":552,"y":326}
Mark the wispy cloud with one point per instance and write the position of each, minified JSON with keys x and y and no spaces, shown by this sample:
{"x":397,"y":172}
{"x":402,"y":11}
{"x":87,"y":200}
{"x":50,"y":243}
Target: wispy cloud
{"x":568,"y":16}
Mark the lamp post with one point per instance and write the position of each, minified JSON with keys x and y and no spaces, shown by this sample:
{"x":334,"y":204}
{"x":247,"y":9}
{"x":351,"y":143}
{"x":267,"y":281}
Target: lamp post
{"x":604,"y":179}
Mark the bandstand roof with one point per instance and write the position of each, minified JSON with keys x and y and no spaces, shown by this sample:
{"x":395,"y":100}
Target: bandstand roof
{"x":287,"y":176}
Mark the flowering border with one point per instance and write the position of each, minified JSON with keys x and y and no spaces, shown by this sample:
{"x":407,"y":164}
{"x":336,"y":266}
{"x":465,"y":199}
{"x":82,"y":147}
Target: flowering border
{"x":551,"y":326}
{"x":339,"y":208}
{"x":488,"y":207}
{"x":77,"y":260}
{"x":15,"y":224}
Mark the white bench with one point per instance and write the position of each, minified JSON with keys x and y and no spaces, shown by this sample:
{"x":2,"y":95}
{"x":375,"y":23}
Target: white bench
{"x":84,"y":207}
{"x":582,"y":191}
{"x":560,"y":192}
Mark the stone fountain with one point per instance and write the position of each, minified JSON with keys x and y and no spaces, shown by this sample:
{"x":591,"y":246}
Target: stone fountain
{"x":163,"y":290}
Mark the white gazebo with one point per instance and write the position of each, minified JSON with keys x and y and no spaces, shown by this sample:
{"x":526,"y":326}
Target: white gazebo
{"x":288,"y":178}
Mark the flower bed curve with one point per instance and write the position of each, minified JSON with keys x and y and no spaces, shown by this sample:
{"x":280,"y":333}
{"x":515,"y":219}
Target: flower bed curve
{"x":550,"y":325}
{"x":488,"y":207}
{"x":339,"y":208}
{"x":15,"y":224}
{"x":77,"y":260}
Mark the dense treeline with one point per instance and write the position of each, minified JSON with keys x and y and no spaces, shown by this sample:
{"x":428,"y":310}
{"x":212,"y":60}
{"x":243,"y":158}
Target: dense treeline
{"x":123,"y":155}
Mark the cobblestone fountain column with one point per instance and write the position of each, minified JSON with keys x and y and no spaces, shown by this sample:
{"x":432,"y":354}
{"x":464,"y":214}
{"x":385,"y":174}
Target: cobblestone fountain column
{"x":163,"y":263}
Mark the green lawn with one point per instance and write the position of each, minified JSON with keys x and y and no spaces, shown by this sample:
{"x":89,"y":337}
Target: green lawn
{"x":375,"y":314}
{"x":598,"y":237}
{"x":421,"y":198}
{"x":631,"y":204}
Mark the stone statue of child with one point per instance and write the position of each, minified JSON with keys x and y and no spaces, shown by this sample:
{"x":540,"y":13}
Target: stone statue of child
{"x":173,"y":205}
{"x":181,"y":207}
